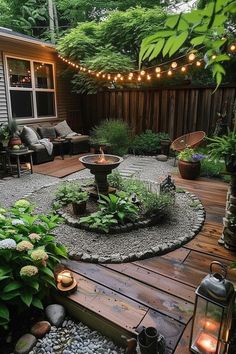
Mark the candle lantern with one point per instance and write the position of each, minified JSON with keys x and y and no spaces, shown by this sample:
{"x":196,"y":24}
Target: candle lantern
{"x":213,"y":313}
{"x":66,"y":282}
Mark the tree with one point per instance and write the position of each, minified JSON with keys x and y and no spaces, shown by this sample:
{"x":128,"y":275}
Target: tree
{"x":111,"y":45}
{"x":208,"y":30}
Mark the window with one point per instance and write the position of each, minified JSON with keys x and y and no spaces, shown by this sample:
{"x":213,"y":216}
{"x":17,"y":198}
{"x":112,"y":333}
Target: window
{"x":31,"y":88}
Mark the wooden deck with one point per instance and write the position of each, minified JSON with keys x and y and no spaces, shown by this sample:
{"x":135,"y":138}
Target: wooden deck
{"x":158,"y":291}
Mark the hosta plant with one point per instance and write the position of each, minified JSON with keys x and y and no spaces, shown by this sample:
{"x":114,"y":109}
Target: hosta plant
{"x":28,"y":255}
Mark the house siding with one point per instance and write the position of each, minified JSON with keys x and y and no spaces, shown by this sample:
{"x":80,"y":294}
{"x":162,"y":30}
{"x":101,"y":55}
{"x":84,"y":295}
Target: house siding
{"x":3,"y":99}
{"x":65,"y":100}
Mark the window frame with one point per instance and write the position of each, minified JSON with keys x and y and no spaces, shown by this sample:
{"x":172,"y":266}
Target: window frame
{"x":32,"y":89}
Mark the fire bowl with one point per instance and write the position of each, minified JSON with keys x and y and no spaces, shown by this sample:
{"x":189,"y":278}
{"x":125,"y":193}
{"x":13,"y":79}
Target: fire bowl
{"x":101,"y":166}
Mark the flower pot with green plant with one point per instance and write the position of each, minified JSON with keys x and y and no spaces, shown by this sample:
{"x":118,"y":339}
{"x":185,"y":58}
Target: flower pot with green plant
{"x":71,"y":192}
{"x":189,"y":163}
{"x":14,"y":140}
{"x":224,"y":147}
{"x":4,"y":134}
{"x":79,"y":201}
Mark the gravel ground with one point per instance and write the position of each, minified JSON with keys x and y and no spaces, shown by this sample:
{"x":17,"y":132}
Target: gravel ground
{"x":174,"y":230}
{"x":74,"y":338}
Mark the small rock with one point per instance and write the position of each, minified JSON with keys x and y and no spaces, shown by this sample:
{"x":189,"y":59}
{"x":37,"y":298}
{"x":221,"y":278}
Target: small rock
{"x":40,"y":328}
{"x":25,"y":344}
{"x":55,"y":314}
{"x":162,"y":158}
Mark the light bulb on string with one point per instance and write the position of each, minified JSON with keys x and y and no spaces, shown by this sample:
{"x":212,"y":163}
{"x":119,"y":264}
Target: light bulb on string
{"x":158,"y":75}
{"x":115,"y":78}
{"x":158,"y":69}
{"x":131,"y":74}
{"x":142,"y":72}
{"x":169,"y":72}
{"x":183,"y":69}
{"x":109,"y":76}
{"x":198,"y":63}
{"x":118,"y":75}
{"x":174,"y":65}
{"x":89,"y":71}
{"x":139,"y":78}
{"x":103,"y":76}
{"x":130,"y":77}
{"x":191,"y":56}
{"x":121,"y":78}
{"x":232,"y":47}
{"x":148,"y":77}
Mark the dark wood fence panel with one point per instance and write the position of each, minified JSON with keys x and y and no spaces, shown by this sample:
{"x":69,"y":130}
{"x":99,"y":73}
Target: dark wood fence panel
{"x":176,"y":111}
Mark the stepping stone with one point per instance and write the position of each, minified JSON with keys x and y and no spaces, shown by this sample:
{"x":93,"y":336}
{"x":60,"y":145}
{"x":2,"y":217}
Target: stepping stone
{"x":40,"y":328}
{"x":25,"y":344}
{"x":162,"y":158}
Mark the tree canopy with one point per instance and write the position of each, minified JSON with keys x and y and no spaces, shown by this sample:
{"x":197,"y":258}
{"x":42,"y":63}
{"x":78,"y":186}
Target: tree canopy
{"x":206,"y":32}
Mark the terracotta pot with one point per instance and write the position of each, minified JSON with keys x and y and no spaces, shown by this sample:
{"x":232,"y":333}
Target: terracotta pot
{"x":79,"y":208}
{"x":189,"y":170}
{"x":14,"y":141}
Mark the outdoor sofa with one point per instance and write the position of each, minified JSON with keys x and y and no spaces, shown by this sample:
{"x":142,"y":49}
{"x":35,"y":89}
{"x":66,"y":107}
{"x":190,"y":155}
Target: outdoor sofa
{"x":73,"y":143}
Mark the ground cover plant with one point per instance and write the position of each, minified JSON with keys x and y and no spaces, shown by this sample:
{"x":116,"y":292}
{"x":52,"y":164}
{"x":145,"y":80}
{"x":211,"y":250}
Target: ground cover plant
{"x":28,"y":255}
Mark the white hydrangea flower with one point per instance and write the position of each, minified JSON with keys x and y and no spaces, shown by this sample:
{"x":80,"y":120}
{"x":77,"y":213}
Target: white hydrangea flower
{"x":8,"y":243}
{"x":17,"y":222}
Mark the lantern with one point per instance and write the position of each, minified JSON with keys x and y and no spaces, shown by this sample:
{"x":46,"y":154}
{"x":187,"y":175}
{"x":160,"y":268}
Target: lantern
{"x":212,"y":313}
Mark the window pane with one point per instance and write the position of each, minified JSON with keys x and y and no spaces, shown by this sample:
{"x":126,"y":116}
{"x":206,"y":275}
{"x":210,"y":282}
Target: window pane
{"x":19,"y":72}
{"x":43,"y":75}
{"x":21,"y":104}
{"x":45,"y":104}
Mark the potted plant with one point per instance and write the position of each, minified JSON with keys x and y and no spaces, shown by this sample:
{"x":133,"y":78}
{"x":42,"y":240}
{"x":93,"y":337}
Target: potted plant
{"x":14,"y":138}
{"x":4,"y":134}
{"x":165,"y":143}
{"x":189,"y":163}
{"x":79,"y":200}
{"x":224,"y":147}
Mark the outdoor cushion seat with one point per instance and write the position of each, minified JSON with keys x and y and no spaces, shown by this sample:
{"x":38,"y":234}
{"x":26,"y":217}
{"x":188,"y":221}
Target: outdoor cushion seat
{"x":79,"y":144}
{"x":40,"y":154}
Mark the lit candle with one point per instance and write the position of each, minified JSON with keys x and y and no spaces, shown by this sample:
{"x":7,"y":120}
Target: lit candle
{"x":65,"y":278}
{"x":206,"y":343}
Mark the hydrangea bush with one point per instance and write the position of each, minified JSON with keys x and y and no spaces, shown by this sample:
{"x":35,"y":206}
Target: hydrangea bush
{"x":28,"y":255}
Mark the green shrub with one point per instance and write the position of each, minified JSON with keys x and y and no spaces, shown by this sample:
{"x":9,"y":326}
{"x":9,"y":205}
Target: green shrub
{"x":99,"y":221}
{"x":115,"y":133}
{"x":115,"y":180}
{"x":70,"y":192}
{"x":212,"y":168}
{"x":119,"y":206}
{"x":148,"y":143}
{"x":28,"y":255}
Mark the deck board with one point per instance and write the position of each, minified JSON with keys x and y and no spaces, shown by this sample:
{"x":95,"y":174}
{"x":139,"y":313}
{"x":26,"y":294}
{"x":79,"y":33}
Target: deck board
{"x":159,"y":291}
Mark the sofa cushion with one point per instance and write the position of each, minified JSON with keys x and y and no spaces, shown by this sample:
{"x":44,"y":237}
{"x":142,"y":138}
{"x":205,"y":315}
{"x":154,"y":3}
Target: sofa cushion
{"x":63,"y":129}
{"x":47,"y":132}
{"x":37,"y":147}
{"x":29,"y":136}
{"x":78,"y":138}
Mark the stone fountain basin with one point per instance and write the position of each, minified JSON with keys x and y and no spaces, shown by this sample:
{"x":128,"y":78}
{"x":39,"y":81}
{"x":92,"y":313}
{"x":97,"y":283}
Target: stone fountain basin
{"x":90,"y":162}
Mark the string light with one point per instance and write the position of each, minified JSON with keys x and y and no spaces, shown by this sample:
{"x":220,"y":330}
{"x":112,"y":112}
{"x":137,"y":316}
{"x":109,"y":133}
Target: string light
{"x":183,"y":69}
{"x":191,"y":57}
{"x":158,"y":69}
{"x":169,"y":72}
{"x":109,"y":76}
{"x":174,"y":65}
{"x":148,"y":77}
{"x":119,"y":75}
{"x":139,"y":78}
{"x":131,"y":74}
{"x":142,"y":72}
{"x":158,"y":75}
{"x":232,"y":47}
{"x":198,"y":63}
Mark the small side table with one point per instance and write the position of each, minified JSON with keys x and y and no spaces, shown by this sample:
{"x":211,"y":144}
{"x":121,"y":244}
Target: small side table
{"x":17,"y":155}
{"x":60,"y":142}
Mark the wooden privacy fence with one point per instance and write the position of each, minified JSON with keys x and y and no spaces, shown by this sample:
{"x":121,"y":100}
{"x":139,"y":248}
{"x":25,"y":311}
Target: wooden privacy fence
{"x":176,"y":111}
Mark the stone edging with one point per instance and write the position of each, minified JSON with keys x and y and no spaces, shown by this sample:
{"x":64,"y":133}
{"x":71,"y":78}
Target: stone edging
{"x":153,"y":251}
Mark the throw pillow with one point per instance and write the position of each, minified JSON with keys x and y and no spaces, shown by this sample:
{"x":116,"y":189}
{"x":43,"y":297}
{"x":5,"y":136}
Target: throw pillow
{"x":29,"y":136}
{"x":63,"y":129}
{"x":47,"y":132}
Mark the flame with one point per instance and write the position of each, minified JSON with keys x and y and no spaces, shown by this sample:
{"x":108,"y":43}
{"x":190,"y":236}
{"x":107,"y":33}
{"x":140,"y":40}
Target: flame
{"x":101,"y":158}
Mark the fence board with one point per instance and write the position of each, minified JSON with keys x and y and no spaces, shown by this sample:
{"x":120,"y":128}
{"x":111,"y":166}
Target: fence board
{"x":173,"y":110}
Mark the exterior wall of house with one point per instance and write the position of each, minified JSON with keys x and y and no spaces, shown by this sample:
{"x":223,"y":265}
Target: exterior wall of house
{"x":65,"y":100}
{"x":3,"y":99}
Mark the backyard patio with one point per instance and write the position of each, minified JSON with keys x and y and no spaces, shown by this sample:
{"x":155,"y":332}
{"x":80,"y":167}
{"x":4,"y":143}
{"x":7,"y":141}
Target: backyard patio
{"x":117,"y":177}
